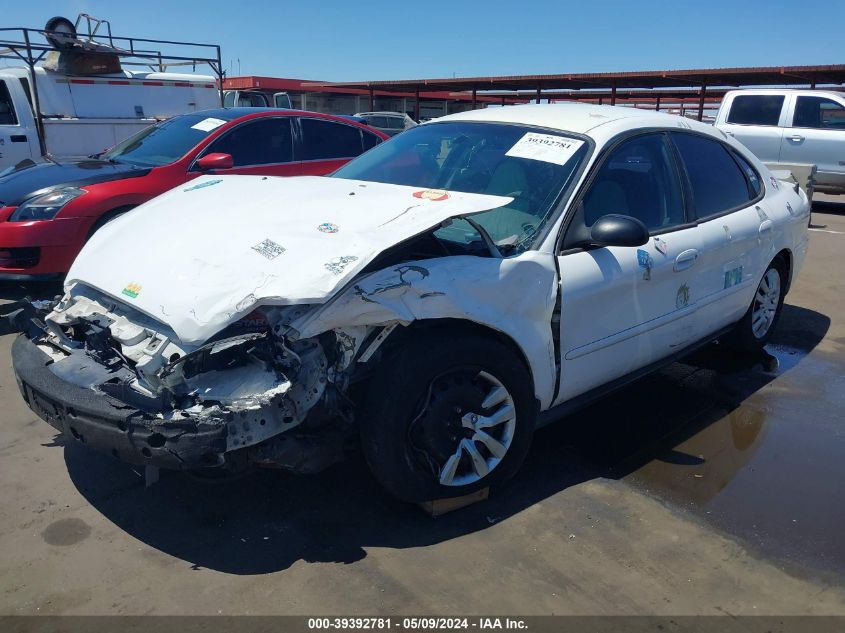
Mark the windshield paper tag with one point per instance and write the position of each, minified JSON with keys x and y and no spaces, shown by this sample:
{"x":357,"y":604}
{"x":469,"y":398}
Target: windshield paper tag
{"x":206,"y":125}
{"x":545,"y":147}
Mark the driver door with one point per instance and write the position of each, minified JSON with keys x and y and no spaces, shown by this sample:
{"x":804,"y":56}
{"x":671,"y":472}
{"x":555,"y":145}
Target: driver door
{"x":622,"y":307}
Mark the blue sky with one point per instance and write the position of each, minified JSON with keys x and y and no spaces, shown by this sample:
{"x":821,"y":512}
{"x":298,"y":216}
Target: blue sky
{"x":404,"y":39}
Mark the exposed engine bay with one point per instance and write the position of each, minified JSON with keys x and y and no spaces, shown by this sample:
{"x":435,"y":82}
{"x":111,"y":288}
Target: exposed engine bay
{"x":256,"y":380}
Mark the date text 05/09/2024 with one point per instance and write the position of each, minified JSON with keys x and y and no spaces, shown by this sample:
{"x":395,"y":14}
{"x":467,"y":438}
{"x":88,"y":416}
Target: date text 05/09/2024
{"x":416,"y":623}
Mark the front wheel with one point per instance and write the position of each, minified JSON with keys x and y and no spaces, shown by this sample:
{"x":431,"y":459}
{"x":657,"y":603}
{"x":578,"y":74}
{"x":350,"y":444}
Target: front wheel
{"x":756,"y":327}
{"x":448,"y":415}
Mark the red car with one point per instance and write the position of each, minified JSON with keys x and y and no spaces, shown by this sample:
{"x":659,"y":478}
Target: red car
{"x":48,"y":210}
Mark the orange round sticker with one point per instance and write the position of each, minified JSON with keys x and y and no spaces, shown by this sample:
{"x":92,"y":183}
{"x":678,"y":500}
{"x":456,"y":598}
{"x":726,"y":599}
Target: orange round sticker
{"x":432,"y":194}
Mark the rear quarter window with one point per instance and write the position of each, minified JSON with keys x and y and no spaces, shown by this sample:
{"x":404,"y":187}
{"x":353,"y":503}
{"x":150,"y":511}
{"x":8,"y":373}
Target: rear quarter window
{"x":756,"y":109}
{"x":325,"y":140}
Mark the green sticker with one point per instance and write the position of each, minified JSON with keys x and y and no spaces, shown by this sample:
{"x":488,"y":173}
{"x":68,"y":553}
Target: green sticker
{"x":132,"y":290}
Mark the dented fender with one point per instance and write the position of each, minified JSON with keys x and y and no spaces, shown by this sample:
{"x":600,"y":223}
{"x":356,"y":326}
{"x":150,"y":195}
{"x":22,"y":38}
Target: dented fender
{"x":515,"y":296}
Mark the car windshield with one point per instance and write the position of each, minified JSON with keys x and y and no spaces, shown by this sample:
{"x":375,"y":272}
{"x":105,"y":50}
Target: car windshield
{"x":165,"y":142}
{"x":531,"y":165}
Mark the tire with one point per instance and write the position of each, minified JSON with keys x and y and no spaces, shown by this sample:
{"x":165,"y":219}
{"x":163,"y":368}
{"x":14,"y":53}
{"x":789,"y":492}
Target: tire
{"x":424,"y":412}
{"x":63,"y":26}
{"x":749,"y":334}
{"x":103,"y":220}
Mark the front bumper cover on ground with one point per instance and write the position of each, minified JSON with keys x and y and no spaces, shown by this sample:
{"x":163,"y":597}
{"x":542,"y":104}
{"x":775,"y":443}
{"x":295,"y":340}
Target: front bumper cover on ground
{"x":109,"y":426}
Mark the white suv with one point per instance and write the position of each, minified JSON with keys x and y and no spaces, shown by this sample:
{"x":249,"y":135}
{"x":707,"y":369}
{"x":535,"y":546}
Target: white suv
{"x":791,"y":127}
{"x":391,"y":123}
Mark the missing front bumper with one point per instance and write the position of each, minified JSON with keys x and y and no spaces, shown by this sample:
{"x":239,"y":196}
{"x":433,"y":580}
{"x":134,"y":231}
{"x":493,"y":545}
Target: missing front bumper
{"x":108,"y":426}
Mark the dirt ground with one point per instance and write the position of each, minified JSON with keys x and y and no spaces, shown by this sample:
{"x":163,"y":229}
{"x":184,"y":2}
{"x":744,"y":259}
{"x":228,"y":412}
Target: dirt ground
{"x":713,"y":487}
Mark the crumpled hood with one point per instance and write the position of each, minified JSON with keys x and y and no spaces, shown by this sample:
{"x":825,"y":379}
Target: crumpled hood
{"x":206,"y":253}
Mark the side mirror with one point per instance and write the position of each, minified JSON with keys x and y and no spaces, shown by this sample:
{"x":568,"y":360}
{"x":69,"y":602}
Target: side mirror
{"x":618,"y":230}
{"x":215,"y":160}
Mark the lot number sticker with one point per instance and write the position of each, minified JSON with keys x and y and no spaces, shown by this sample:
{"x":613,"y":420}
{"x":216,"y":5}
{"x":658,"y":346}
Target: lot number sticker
{"x":206,"y":125}
{"x":545,"y":147}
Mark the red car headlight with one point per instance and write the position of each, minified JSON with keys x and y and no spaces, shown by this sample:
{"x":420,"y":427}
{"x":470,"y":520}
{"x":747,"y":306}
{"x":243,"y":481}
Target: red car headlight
{"x":45,"y":206}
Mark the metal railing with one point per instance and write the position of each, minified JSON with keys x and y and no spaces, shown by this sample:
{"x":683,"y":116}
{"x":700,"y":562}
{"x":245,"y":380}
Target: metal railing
{"x":31,"y":46}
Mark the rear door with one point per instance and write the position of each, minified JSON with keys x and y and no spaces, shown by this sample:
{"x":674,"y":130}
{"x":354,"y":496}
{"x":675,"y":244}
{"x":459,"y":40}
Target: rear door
{"x":262,"y":146}
{"x":325,"y":145}
{"x":725,"y":196}
{"x":15,"y":138}
{"x":623,"y":308}
{"x":756,"y":121}
{"x":816,"y":135}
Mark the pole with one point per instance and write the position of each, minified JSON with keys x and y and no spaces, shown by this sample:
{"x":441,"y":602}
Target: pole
{"x":473,"y":99}
{"x":372,"y":101}
{"x":219,"y":73}
{"x":417,"y":105}
{"x":657,"y":104}
{"x":701,"y":102}
{"x":613,"y":95}
{"x":36,"y":103}
{"x":539,"y":94}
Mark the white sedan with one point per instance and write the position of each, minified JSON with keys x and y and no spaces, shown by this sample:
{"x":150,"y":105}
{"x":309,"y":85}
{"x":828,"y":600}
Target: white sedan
{"x":434,"y":301}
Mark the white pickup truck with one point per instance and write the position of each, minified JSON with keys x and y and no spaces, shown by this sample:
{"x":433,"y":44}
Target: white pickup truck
{"x":84,"y":115}
{"x":788,"y":128}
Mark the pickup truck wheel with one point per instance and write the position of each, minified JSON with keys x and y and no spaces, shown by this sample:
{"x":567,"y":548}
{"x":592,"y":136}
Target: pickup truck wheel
{"x":756,"y":327}
{"x":446,"y":416}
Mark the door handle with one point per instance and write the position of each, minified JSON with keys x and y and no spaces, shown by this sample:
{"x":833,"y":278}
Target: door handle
{"x":685,"y":259}
{"x":729,"y":133}
{"x":797,"y":138}
{"x":766,"y":227}
{"x":18,"y":138}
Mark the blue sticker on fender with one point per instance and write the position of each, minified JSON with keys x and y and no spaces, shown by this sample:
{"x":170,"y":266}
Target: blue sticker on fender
{"x":203,"y":185}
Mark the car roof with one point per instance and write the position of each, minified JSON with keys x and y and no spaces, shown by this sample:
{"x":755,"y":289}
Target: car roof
{"x":581,"y":118}
{"x":786,"y":91}
{"x":382,"y":113}
{"x":230,"y":114}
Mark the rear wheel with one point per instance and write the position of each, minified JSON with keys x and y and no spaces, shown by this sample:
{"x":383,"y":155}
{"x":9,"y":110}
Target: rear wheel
{"x":447,"y":416}
{"x":756,"y":327}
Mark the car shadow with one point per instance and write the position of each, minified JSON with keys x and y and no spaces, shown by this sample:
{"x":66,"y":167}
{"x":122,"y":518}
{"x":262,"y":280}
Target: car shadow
{"x":269,"y":520}
{"x":828,"y":206}
{"x":14,"y":290}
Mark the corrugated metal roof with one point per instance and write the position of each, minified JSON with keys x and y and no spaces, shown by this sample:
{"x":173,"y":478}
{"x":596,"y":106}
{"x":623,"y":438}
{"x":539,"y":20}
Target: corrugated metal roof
{"x":716,"y":77}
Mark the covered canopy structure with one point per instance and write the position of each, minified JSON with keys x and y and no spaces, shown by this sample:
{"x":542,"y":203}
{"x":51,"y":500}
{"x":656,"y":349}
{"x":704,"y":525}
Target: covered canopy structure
{"x":628,"y":87}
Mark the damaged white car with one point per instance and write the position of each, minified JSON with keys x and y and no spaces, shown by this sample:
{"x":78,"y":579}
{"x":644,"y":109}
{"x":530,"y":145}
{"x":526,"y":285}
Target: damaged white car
{"x":433,"y":301}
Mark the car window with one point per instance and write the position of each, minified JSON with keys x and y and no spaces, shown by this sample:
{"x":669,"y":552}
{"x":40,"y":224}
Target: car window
{"x":638,"y":179}
{"x":370,"y":140}
{"x":229,"y":99}
{"x":324,"y":140}
{"x":252,"y":100}
{"x":165,"y":142}
{"x":377,"y":121}
{"x":718,"y":184}
{"x":261,"y":142}
{"x":486,"y":158}
{"x":756,"y":109}
{"x":7,"y":109}
{"x":750,"y":173}
{"x":395,"y":123}
{"x":818,"y":112}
